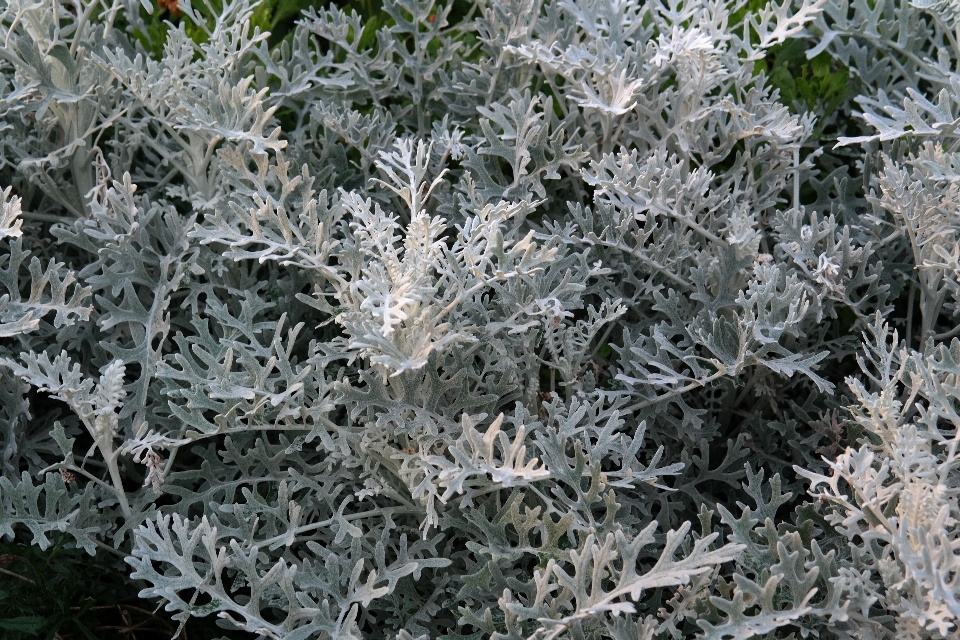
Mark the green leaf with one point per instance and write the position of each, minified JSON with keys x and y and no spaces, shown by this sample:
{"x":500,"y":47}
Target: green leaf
{"x":24,"y":624}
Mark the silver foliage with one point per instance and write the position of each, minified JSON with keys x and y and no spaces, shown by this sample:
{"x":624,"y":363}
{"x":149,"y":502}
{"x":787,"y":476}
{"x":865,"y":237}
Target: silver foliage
{"x":429,"y":328}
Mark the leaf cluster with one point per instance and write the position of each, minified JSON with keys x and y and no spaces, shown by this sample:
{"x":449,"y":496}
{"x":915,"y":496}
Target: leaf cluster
{"x":519,"y":319}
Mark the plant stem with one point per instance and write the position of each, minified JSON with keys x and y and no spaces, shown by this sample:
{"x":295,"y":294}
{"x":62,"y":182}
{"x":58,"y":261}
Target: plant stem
{"x":17,"y":575}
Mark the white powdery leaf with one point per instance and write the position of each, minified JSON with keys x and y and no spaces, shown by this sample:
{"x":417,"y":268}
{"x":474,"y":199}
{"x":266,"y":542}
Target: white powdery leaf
{"x":10,"y":221}
{"x":682,"y":43}
{"x":609,"y":94}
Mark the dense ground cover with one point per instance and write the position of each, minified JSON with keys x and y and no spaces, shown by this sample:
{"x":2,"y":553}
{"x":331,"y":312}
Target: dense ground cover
{"x":521,"y":319}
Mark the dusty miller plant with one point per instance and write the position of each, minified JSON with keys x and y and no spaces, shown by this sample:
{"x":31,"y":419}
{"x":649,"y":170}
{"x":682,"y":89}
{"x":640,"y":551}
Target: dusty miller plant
{"x":549,"y":321}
